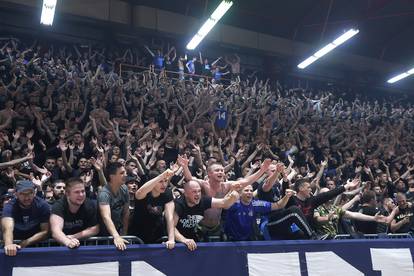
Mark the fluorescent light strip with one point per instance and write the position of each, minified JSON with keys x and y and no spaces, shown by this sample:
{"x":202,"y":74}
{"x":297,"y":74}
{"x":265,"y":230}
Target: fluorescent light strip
{"x":329,"y":47}
{"x":209,"y":24}
{"x":48,"y":12}
{"x":401,"y":76}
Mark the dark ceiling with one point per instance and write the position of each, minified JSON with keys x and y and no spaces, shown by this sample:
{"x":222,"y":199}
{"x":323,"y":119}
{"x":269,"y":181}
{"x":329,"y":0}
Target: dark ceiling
{"x":386,"y":26}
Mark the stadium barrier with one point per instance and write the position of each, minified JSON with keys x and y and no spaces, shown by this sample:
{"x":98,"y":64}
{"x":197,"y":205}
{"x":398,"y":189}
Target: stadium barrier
{"x":374,"y":236}
{"x":174,"y":75}
{"x":92,"y":241}
{"x":336,"y":257}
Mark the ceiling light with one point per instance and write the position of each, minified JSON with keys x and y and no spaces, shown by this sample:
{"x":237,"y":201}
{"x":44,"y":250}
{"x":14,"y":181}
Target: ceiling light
{"x":401,"y":76}
{"x":48,"y":12}
{"x":329,"y":47}
{"x":209,"y":24}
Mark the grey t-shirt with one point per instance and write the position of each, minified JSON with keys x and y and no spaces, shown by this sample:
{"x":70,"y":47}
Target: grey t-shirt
{"x":116,"y":203}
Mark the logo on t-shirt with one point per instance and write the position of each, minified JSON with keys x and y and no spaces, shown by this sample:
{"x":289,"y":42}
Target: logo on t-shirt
{"x":191,"y":221}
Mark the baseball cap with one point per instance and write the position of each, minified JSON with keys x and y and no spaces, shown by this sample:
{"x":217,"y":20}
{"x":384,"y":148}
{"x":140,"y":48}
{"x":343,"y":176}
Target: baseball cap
{"x":24,"y":185}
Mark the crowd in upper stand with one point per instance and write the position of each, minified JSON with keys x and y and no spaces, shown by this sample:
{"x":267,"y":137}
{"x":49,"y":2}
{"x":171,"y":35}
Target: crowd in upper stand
{"x":86,"y":151}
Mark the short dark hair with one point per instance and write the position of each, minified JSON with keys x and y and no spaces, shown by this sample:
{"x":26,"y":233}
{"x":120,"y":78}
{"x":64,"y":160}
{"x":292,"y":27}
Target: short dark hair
{"x":58,"y":181}
{"x":368,"y":196}
{"x":131,"y":161}
{"x":299,"y":183}
{"x":113,"y":168}
{"x":212,"y":164}
{"x":72,"y":182}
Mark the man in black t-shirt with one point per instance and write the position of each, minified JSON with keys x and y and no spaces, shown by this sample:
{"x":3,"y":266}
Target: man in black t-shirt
{"x":153,"y":202}
{"x":74,"y":217}
{"x":189,"y":211}
{"x":368,"y":207}
{"x":404,"y":221}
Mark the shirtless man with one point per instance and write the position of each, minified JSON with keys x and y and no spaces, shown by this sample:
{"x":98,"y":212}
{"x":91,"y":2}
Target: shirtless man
{"x":216,"y":186}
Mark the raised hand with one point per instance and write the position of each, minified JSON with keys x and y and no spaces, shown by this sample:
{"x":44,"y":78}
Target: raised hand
{"x":96,"y":163}
{"x":174,"y":167}
{"x":182,"y":160}
{"x":289,"y":193}
{"x":94,"y":141}
{"x":87,"y":177}
{"x":16,"y":134}
{"x":62,"y":145}
{"x":30,"y":145}
{"x":81,"y":146}
{"x":255,"y":165}
{"x":265,"y":165}
{"x":71,"y":146}
{"x":352,"y":184}
{"x":30,"y":134}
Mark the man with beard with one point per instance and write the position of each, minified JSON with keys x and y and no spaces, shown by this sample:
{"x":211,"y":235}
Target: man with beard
{"x":58,"y":189}
{"x":190,"y":209}
{"x":25,"y":218}
{"x":74,"y":217}
{"x":217,"y":186}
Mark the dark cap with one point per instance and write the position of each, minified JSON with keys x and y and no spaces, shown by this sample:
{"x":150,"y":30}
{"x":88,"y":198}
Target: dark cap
{"x":24,"y":185}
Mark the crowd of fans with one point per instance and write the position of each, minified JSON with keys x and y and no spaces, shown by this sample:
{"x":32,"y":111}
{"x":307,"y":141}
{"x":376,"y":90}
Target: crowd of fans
{"x":87,"y":152}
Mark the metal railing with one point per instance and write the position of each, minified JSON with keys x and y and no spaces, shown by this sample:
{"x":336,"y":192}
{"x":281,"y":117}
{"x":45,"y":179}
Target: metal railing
{"x":373,"y":236}
{"x":174,"y":75}
{"x":92,"y":241}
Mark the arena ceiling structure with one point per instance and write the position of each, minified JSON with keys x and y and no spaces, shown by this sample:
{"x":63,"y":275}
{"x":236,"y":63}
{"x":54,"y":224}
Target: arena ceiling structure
{"x":386,"y":26}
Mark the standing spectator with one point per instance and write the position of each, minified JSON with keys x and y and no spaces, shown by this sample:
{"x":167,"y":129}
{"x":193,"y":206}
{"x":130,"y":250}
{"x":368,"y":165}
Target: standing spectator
{"x":241,"y":216}
{"x":113,"y":202}
{"x":217,"y":186}
{"x":191,"y":67}
{"x":153,"y":203}
{"x":25,"y":218}
{"x":308,"y":203}
{"x":234,"y":62}
{"x":189,"y":210}
{"x":404,"y":221}
{"x":74,"y":217}
{"x":327,"y":217}
{"x":368,"y":207}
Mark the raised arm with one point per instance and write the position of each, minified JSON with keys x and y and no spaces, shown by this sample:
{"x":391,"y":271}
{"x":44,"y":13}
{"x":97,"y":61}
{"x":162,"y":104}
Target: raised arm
{"x":182,"y":160}
{"x":16,"y":161}
{"x":284,"y":200}
{"x":240,"y":184}
{"x":225,"y":202}
{"x":142,"y":192}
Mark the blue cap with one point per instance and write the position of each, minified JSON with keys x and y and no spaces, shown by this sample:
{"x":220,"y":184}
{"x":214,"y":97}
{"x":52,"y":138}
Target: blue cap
{"x":24,"y":185}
